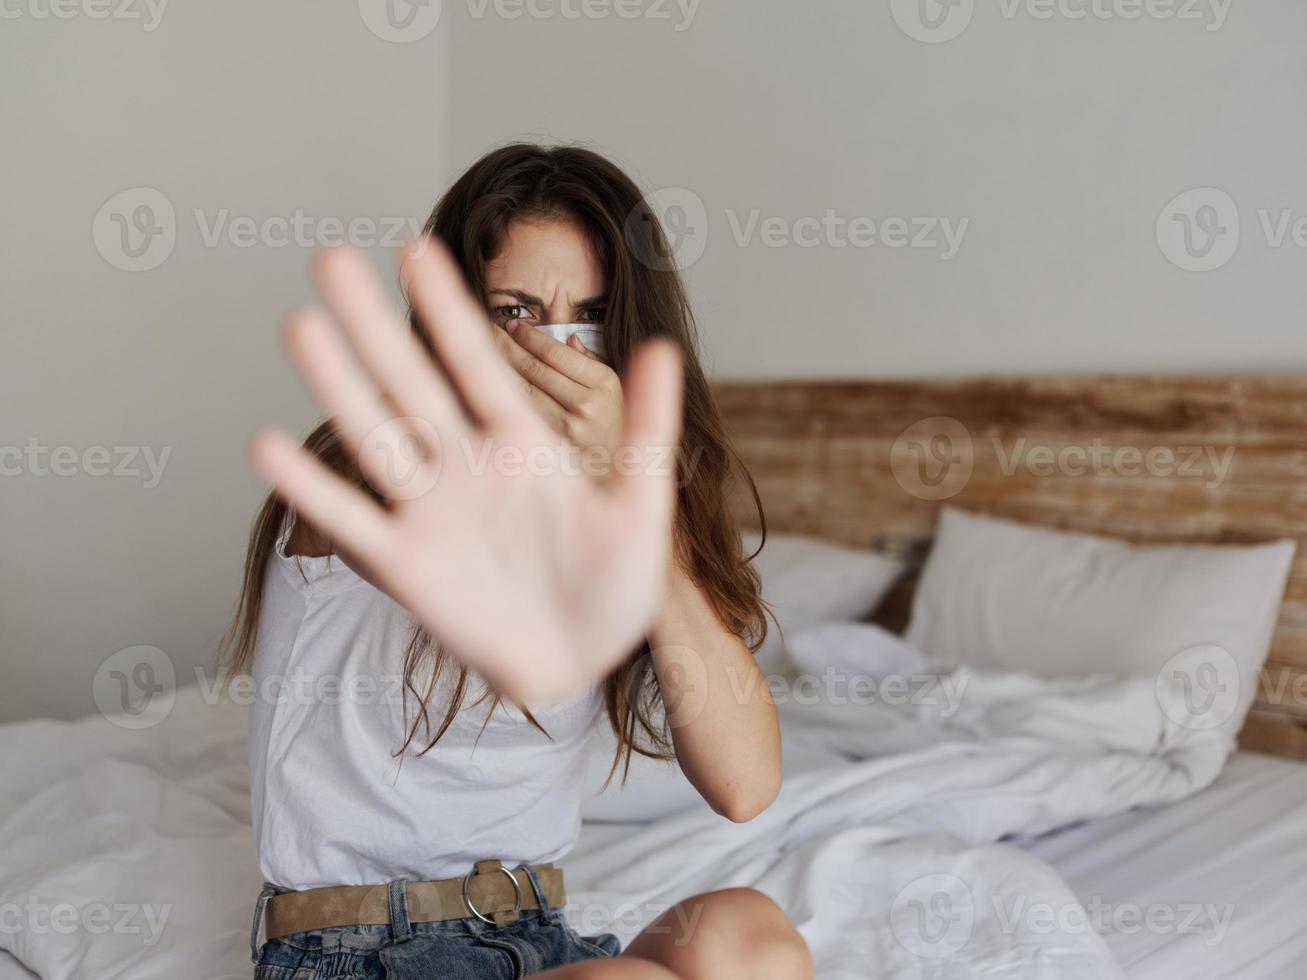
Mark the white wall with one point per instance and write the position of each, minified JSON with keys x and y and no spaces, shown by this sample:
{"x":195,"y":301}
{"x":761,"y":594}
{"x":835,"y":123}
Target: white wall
{"x":255,"y":107}
{"x":1060,"y":141}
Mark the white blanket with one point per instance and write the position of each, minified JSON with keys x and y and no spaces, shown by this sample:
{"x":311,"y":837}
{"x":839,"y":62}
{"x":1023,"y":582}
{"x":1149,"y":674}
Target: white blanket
{"x":128,"y":854}
{"x":889,"y":866}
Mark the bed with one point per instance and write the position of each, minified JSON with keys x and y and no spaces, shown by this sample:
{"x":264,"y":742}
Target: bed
{"x":96,"y":814}
{"x":176,"y":835}
{"x":838,"y":460}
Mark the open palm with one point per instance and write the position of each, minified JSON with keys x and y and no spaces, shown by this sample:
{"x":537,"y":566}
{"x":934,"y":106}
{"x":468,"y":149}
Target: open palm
{"x":493,"y":534}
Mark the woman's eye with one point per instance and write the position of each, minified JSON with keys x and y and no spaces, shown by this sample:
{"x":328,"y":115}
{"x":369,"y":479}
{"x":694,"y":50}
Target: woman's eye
{"x":593,"y":315}
{"x":506,"y":313}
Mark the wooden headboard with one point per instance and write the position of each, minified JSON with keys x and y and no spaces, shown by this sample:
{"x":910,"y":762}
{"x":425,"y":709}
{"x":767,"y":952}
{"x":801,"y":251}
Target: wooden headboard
{"x":1148,"y":459}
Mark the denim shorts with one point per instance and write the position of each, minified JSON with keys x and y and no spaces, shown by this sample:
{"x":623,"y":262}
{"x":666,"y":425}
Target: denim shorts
{"x":458,"y":949}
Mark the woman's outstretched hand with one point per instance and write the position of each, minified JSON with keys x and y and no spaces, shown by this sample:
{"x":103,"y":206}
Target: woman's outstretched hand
{"x":495,"y":535}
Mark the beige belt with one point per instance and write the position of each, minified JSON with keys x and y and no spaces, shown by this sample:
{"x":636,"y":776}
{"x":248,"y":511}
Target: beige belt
{"x":490,"y":892}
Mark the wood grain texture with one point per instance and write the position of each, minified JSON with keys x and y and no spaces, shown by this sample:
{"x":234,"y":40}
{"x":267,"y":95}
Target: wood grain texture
{"x":1218,"y":459}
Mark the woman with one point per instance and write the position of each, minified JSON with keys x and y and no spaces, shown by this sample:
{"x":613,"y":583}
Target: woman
{"x":522,"y":513}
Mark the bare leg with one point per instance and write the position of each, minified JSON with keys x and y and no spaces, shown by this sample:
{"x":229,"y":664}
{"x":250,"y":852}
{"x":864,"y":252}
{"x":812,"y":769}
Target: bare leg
{"x":733,"y":934}
{"x":622,"y":968}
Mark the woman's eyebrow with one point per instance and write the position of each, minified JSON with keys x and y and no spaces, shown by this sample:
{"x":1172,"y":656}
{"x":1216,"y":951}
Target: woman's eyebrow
{"x":526,"y":299}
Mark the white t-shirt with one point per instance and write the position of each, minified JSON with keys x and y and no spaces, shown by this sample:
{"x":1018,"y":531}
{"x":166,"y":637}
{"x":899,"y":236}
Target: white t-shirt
{"x":332,"y":805}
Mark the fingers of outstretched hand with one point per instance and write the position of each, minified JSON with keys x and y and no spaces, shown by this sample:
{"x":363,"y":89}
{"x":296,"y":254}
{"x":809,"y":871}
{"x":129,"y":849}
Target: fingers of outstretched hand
{"x":345,"y":513}
{"x":383,"y":342}
{"x":460,"y":335}
{"x":652,"y":428}
{"x":365,"y":421}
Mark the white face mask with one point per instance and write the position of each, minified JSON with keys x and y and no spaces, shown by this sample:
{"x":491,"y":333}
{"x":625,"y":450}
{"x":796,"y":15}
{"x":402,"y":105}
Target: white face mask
{"x":591,"y":334}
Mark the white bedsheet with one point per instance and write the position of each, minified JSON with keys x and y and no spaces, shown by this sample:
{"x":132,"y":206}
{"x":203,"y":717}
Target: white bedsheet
{"x":11,"y":969}
{"x":1239,"y":848}
{"x":886,"y":864}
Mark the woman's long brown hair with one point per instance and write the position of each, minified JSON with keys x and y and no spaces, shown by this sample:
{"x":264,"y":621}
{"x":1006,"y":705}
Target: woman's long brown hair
{"x":646,"y":299}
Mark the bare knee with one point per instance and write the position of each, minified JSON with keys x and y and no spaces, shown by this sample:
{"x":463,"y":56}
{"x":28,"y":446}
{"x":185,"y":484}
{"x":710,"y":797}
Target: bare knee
{"x":621,"y":968}
{"x":762,"y":936}
{"x":736,"y":932}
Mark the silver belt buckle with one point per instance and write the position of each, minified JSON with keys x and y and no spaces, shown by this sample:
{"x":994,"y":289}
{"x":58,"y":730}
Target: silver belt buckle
{"x":467,"y":899}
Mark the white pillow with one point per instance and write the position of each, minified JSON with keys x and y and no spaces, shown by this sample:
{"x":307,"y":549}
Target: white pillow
{"x":1006,"y":596}
{"x":808,"y":581}
{"x":852,"y":650}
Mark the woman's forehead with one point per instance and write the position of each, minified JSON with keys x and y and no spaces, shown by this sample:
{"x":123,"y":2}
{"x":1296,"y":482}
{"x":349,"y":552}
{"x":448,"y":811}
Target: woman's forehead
{"x":544,"y":256}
